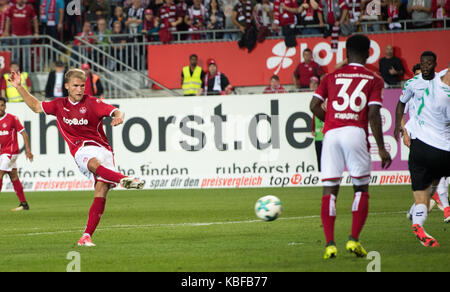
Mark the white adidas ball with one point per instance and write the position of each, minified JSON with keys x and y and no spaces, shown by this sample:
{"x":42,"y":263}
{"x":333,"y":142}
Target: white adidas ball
{"x":268,"y":208}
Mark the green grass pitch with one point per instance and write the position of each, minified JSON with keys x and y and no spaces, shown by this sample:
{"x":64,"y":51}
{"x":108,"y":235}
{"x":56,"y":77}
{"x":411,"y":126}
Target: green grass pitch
{"x":212,"y":230}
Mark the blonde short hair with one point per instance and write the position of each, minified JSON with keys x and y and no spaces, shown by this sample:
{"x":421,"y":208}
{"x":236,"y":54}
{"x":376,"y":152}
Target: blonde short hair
{"x":75,"y":73}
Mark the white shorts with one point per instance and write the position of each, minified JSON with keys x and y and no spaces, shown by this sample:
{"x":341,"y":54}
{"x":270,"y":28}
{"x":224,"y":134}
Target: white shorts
{"x":345,"y":147}
{"x":8,"y":162}
{"x":103,"y":155}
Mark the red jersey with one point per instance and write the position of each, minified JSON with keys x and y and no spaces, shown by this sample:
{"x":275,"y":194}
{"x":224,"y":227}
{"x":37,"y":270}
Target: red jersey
{"x":350,"y":90}
{"x":305,"y":71}
{"x":282,"y":17}
{"x":82,"y":122}
{"x":21,"y":19}
{"x":9,"y":127}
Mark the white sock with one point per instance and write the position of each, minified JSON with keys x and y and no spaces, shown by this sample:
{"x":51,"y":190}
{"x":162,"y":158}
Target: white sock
{"x":411,"y":210}
{"x":442,"y":190}
{"x":420,"y":214}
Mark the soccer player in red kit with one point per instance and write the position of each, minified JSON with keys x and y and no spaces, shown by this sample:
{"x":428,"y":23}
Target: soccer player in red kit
{"x":354,"y":97}
{"x":79,"y":118}
{"x":9,"y":151}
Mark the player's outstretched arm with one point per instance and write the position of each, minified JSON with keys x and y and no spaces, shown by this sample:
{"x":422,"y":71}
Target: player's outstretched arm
{"x":375,"y":125}
{"x":32,"y":102}
{"x":26,"y":141}
{"x":118,"y":118}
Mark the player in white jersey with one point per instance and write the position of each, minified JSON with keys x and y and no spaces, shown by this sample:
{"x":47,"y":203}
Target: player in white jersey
{"x":429,"y":157}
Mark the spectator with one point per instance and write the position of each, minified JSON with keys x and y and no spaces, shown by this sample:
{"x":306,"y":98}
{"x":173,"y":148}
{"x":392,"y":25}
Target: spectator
{"x":420,"y":10}
{"x":284,"y":17}
{"x":391,"y":68}
{"x":313,"y":83}
{"x":93,"y":84}
{"x":52,"y":17}
{"x":335,"y":12}
{"x":439,"y":10}
{"x":87,"y":35}
{"x":227,"y":8}
{"x":128,"y":3}
{"x":263,"y":18}
{"x":192,"y":77}
{"x":120,"y":16}
{"x":274,"y":86}
{"x":182,"y":8}
{"x":55,"y":82}
{"x":216,"y":83}
{"x":118,"y":45}
{"x":21,"y":20}
{"x":113,"y":4}
{"x":215,"y":18}
{"x":156,"y":4}
{"x":4,"y":5}
{"x":149,"y":26}
{"x":102,"y":34}
{"x":195,"y":19}
{"x":10,"y":92}
{"x":311,"y":14}
{"x":72,"y":24}
{"x":169,"y":17}
{"x":352,"y":22}
{"x":366,"y":18}
{"x":393,"y":11}
{"x":97,"y":9}
{"x":306,"y":70}
{"x":135,"y":16}
{"x":243,"y":14}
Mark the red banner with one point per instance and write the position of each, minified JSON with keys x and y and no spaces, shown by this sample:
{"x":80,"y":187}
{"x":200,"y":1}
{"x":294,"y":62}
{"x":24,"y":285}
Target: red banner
{"x":165,"y":62}
{"x":5,"y":59}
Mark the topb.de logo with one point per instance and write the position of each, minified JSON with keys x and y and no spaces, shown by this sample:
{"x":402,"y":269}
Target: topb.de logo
{"x":282,"y":58}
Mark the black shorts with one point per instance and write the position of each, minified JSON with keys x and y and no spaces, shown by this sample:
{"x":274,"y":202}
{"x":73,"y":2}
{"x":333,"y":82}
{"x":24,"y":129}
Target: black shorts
{"x":427,"y":163}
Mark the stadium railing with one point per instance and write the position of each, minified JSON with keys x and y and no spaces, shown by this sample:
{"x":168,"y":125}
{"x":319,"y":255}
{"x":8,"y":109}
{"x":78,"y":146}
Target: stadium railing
{"x":132,"y":56}
{"x":40,"y":55}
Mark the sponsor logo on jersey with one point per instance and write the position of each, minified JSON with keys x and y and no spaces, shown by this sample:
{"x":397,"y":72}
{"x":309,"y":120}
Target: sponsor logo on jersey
{"x":75,"y":122}
{"x":4,"y":133}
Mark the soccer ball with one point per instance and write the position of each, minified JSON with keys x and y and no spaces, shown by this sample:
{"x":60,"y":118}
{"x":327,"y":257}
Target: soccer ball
{"x":268,"y":208}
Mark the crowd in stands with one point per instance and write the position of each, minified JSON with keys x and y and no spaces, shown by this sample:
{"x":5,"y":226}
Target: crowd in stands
{"x":158,"y":19}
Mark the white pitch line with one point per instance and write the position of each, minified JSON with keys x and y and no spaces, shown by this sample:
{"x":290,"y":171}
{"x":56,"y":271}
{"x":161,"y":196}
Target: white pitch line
{"x":193,"y":224}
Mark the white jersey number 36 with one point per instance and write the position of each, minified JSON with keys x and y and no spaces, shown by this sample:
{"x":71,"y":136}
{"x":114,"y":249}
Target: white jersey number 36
{"x":350,"y":100}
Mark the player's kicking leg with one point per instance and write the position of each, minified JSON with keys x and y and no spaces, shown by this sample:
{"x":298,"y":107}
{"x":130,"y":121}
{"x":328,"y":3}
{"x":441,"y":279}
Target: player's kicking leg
{"x":18,"y":188}
{"x":95,"y":213}
{"x":420,"y":213}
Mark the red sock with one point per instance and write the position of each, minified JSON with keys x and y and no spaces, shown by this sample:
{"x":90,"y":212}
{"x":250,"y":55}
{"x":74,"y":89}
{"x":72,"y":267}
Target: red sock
{"x":95,"y":214}
{"x":360,"y":210}
{"x":109,"y":174}
{"x":328,"y":215}
{"x":19,"y":190}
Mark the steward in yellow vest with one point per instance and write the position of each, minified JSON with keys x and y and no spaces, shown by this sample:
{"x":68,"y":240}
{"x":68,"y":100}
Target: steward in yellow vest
{"x":192,"y":78}
{"x":11,"y":93}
